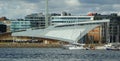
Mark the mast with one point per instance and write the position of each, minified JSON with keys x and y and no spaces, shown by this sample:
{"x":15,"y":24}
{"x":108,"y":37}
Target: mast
{"x":46,"y":14}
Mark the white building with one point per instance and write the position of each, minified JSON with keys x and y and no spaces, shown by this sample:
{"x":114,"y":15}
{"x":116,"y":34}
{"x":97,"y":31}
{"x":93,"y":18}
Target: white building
{"x":70,"y":19}
{"x":70,"y":32}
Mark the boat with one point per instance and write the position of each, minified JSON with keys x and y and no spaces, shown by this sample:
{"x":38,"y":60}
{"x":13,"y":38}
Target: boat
{"x":114,"y":46}
{"x":104,"y":47}
{"x":100,"y":47}
{"x":109,"y":46}
{"x":74,"y":47}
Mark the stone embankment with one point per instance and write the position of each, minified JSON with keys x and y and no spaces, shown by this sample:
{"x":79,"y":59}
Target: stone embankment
{"x":28,"y":45}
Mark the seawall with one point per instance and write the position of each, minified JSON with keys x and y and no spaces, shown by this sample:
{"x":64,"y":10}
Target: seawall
{"x":28,"y":45}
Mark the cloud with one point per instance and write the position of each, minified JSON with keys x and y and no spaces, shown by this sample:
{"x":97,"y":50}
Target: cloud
{"x":21,"y":8}
{"x":17,"y":9}
{"x":72,"y":2}
{"x":32,"y":1}
{"x":100,"y":1}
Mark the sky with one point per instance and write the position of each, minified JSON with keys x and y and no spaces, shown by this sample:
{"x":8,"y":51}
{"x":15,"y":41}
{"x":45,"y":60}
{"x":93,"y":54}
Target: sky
{"x":20,"y":8}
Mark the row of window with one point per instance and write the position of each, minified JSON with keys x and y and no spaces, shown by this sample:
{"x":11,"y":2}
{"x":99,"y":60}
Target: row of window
{"x":35,"y":20}
{"x":71,"y":18}
{"x":36,"y":23}
{"x":34,"y":17}
{"x":69,"y":21}
{"x":76,"y":25}
{"x":20,"y":22}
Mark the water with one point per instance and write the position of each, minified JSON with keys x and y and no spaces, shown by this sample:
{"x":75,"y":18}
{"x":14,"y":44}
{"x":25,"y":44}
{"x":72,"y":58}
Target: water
{"x":57,"y":54}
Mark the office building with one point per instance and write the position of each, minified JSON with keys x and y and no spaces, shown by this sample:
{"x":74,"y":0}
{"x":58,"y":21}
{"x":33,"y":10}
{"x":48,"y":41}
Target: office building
{"x":19,"y":25}
{"x":3,"y":28}
{"x":6,"y":22}
{"x":110,"y":32}
{"x":37,"y":20}
{"x":69,"y":19}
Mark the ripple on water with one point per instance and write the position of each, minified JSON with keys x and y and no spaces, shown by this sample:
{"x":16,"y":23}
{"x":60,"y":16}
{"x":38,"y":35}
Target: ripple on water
{"x":56,"y":54}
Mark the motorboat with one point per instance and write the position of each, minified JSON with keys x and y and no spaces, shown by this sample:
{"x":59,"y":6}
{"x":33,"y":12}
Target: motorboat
{"x":104,"y":47}
{"x":114,"y":46}
{"x":74,"y":47}
{"x":100,"y":47}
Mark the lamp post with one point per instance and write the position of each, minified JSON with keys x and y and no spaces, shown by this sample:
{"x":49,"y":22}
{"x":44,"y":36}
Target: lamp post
{"x":46,"y":14}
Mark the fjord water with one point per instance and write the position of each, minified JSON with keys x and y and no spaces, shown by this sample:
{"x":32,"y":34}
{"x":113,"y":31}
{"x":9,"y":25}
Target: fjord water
{"x":57,"y":54}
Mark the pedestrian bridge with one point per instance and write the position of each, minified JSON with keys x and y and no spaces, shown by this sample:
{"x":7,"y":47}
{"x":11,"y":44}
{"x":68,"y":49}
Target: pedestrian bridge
{"x":69,"y":32}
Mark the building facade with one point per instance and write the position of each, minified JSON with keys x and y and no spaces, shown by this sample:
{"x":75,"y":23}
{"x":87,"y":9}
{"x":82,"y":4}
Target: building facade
{"x":6,"y":22}
{"x":19,"y":25}
{"x":55,"y":20}
{"x":3,"y":28}
{"x":110,"y":32}
{"x":37,"y":20}
{"x":70,"y":19}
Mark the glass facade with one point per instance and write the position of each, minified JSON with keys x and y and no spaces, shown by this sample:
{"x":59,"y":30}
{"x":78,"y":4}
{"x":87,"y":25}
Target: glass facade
{"x":70,"y":19}
{"x":3,"y":28}
{"x":112,"y":34}
{"x":17,"y":25}
{"x":37,"y":20}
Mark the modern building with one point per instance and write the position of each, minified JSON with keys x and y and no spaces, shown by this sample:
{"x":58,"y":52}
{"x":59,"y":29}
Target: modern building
{"x":70,"y":29}
{"x":112,"y":34}
{"x":55,"y":14}
{"x":65,"y":14}
{"x":3,"y":19}
{"x":70,"y":19}
{"x":3,"y":28}
{"x":94,"y":35}
{"x":37,"y":20}
{"x":68,"y":32}
{"x":19,"y":25}
{"x":6,"y":22}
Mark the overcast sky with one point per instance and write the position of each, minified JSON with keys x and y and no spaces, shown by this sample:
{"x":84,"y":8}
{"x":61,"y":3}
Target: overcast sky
{"x":20,"y":8}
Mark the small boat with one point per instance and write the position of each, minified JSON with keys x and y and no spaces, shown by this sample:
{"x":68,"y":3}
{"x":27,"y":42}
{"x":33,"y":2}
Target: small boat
{"x":114,"y":46}
{"x":104,"y":47}
{"x":74,"y":47}
{"x":100,"y":47}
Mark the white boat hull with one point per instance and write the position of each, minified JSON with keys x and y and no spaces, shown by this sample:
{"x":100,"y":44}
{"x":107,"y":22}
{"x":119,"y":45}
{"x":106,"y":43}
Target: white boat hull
{"x":114,"y":46}
{"x":100,"y":47}
{"x":73,"y":47}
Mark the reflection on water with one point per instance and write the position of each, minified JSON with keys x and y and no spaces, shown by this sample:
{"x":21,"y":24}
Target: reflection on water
{"x":56,"y":54}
